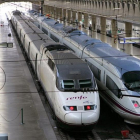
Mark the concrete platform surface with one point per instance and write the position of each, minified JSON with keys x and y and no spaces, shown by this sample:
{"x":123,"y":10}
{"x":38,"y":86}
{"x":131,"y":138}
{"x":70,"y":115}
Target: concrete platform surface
{"x":18,"y":91}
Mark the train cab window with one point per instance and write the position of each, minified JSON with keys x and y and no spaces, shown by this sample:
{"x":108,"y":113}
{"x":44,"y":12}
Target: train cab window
{"x":38,"y":26}
{"x":54,"y":38}
{"x":44,"y":30}
{"x":51,"y":64}
{"x":110,"y":84}
{"x":67,"y":84}
{"x":85,"y":83}
{"x":132,"y":80}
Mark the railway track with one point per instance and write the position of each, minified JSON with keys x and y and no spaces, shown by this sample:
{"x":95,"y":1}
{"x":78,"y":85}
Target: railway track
{"x":76,"y":135}
{"x":134,"y":132}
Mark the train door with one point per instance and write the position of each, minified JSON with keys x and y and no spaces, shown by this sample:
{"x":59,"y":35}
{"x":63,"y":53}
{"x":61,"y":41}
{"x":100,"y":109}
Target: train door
{"x":16,"y":26}
{"x":48,"y":32}
{"x":36,"y":64}
{"x":24,"y":41}
{"x":20,"y":34}
{"x":104,"y":80}
{"x":29,"y":51}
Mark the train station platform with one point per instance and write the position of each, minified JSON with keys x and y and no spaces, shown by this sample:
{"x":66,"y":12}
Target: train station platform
{"x":22,"y":114}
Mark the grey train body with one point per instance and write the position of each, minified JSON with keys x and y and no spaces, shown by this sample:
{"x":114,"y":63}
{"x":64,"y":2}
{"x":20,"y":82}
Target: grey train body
{"x":68,"y":82}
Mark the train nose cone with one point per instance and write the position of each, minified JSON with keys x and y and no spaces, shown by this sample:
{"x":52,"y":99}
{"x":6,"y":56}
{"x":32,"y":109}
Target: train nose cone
{"x":89,"y":117}
{"x":73,"y":118}
{"x":81,"y":118}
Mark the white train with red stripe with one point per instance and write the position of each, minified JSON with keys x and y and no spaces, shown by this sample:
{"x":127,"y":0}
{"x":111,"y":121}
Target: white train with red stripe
{"x":117,"y":74}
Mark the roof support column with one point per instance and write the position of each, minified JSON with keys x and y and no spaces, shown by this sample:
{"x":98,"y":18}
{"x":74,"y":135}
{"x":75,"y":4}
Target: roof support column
{"x":69,"y":15}
{"x":94,"y":26}
{"x":49,"y":9}
{"x":73,"y":16}
{"x":85,"y":20}
{"x":57,"y":13}
{"x":79,"y":16}
{"x":103,"y":29}
{"x":128,"y":31}
{"x":54,"y":12}
{"x":44,"y":9}
{"x":60,"y":13}
{"x":64,"y":14}
{"x":94,"y":23}
{"x":114,"y":33}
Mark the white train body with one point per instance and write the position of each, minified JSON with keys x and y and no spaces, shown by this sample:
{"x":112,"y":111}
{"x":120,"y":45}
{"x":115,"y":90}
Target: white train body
{"x":116,"y":73}
{"x":67,"y":80}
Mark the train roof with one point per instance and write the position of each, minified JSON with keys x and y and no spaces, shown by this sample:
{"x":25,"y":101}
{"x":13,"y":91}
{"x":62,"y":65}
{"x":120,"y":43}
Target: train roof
{"x":41,"y":18}
{"x":67,"y":29}
{"x":50,"y":45}
{"x":38,"y":43}
{"x":65,"y":58}
{"x":79,"y":36}
{"x":101,"y":49}
{"x":85,"y":40}
{"x":33,"y":36}
{"x":70,"y":66}
{"x":42,"y":41}
{"x":58,"y":26}
{"x":49,"y":22}
{"x":16,"y":12}
{"x":17,"y":17}
{"x":76,"y":71}
{"x":30,"y":26}
{"x":122,"y":61}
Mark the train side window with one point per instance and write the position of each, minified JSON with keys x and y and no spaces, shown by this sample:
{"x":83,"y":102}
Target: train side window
{"x":44,"y":30}
{"x":95,"y":70}
{"x":110,"y":84}
{"x":51,"y":64}
{"x":54,"y":38}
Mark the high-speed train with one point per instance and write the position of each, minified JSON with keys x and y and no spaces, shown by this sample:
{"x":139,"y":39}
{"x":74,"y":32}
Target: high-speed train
{"x":68,"y":82}
{"x":117,"y":74}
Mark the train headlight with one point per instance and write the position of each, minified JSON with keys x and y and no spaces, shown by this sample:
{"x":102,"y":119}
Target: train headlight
{"x":70,"y":108}
{"x":136,"y":104}
{"x":90,"y":107}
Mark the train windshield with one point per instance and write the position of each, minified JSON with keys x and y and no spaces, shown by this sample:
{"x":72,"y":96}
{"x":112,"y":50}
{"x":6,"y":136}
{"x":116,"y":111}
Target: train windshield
{"x":68,"y":84}
{"x":85,"y":83}
{"x":75,"y":77}
{"x":132,"y":80}
{"x":76,"y":85}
